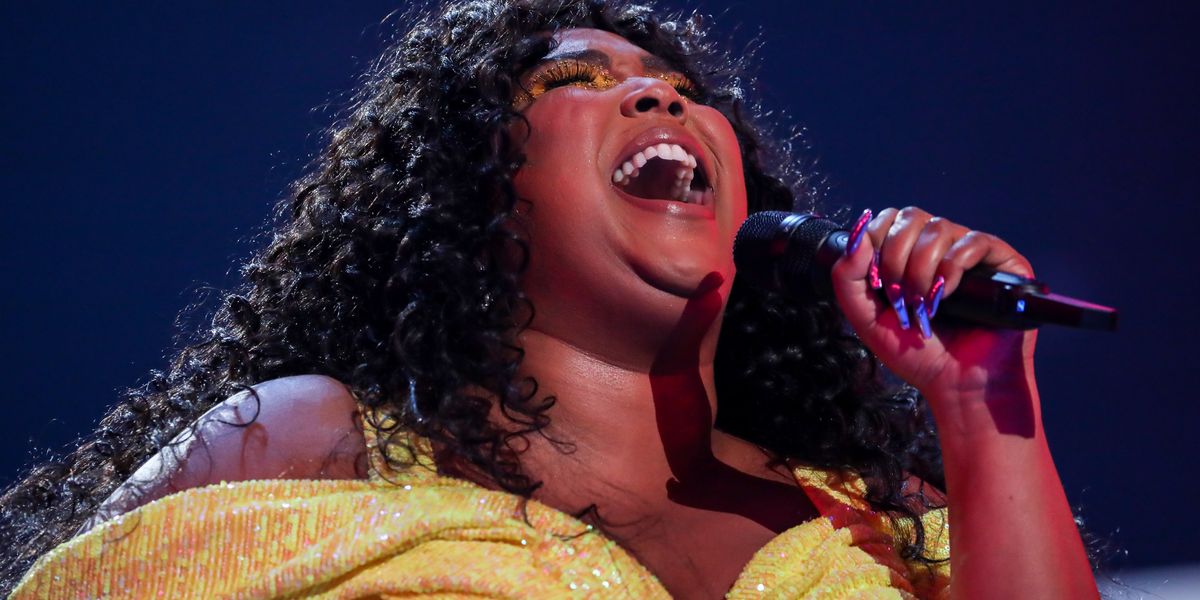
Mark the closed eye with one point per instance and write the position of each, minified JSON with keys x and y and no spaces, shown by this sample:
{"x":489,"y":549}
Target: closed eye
{"x":569,"y":73}
{"x":589,"y":75}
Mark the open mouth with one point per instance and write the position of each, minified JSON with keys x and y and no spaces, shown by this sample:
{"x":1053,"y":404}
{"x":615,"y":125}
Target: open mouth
{"x":664,"y":172}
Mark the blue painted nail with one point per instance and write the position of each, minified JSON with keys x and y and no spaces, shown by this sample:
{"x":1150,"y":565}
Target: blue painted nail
{"x":935,"y":292}
{"x":896,"y":297}
{"x":923,"y":319}
{"x":873,"y":272}
{"x":856,"y":232}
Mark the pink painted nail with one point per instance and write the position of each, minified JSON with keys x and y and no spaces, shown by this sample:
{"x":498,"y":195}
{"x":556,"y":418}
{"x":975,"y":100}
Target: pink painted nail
{"x":935,"y":295}
{"x":873,"y":273}
{"x":923,"y":319}
{"x":896,"y":297}
{"x":856,"y":232}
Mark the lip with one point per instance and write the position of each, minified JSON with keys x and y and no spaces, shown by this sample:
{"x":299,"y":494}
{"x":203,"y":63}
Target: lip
{"x":665,"y":135}
{"x":670,"y":207}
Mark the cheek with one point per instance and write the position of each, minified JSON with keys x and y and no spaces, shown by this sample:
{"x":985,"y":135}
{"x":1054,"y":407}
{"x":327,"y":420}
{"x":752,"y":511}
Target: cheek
{"x":561,"y":209}
{"x":725,"y":148}
{"x":563,"y":125}
{"x":559,"y":178}
{"x":727,"y":155}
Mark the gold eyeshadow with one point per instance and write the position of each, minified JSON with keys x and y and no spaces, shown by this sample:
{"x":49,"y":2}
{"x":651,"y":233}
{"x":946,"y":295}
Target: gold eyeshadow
{"x":592,"y":76}
{"x":569,"y":72}
{"x":686,"y":87}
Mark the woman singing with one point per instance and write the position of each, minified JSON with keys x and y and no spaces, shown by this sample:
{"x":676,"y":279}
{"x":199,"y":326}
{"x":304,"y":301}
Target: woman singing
{"x":496,"y":347}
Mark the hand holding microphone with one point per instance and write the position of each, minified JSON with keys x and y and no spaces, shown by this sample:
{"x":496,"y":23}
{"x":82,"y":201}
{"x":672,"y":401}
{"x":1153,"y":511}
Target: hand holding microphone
{"x":980,"y":289}
{"x":795,"y":252}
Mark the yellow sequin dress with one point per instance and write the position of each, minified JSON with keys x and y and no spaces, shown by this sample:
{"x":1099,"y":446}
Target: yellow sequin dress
{"x":417,"y":534}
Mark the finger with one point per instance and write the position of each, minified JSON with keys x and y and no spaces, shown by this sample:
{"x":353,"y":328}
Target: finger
{"x":851,"y":286}
{"x":854,"y":264}
{"x":893,"y":256}
{"x":931,"y":245}
{"x":979,"y":248}
{"x":879,"y":226}
{"x":900,"y":239}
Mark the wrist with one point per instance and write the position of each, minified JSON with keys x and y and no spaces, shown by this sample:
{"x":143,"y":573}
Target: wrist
{"x":1007,"y":407}
{"x":1012,"y":378}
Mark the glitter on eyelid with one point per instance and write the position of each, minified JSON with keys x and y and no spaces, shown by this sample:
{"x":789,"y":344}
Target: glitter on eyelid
{"x":587,"y":75}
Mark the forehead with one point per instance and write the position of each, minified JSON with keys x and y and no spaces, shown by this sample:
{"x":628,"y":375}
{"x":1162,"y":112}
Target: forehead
{"x":575,"y":41}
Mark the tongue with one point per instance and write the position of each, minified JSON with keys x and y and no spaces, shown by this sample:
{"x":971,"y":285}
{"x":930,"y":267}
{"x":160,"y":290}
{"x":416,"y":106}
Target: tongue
{"x":655,"y":181}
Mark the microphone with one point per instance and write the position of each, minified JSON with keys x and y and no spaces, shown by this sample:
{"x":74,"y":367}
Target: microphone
{"x":794,"y":252}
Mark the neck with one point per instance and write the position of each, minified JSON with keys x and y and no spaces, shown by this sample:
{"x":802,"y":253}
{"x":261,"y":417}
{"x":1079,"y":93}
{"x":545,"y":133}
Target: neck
{"x":643,"y":414}
{"x":640,"y":441}
{"x":635,"y":424}
{"x":631,"y":430}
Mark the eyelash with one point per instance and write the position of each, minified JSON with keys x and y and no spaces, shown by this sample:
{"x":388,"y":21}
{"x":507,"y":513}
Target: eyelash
{"x":569,"y":72}
{"x":573,"y":72}
{"x":686,"y":87}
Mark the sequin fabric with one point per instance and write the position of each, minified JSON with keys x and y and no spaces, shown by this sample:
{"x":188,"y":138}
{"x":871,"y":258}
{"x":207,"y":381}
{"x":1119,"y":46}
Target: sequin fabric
{"x":414,"y":533}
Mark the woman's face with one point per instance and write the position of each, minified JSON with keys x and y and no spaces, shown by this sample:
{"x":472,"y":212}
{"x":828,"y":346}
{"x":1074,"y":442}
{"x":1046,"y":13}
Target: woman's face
{"x":636,"y":191}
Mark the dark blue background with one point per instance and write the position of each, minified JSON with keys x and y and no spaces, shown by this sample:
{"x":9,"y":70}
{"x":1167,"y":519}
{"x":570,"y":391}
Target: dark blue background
{"x":142,"y":148}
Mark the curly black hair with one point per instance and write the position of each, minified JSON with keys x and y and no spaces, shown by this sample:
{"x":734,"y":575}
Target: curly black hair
{"x":385,"y":271}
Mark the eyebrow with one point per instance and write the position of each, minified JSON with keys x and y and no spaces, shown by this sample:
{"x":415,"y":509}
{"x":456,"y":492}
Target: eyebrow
{"x":650,"y":62}
{"x":656,"y":64}
{"x":588,"y":55}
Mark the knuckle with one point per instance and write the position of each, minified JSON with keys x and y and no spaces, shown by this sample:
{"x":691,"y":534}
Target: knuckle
{"x":975,"y":237}
{"x":966,"y":260}
{"x":885,"y":214}
{"x":910,"y":212}
{"x":940,"y":225}
{"x":953,"y":260}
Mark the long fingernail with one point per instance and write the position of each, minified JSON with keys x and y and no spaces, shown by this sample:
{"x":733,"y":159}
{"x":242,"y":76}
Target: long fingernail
{"x":856,"y":232}
{"x":873,"y":272}
{"x":935,"y":294}
{"x":923,"y":319}
{"x":897,"y":299}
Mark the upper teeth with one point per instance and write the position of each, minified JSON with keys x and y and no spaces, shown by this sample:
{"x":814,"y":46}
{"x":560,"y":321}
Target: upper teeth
{"x":630,"y":169}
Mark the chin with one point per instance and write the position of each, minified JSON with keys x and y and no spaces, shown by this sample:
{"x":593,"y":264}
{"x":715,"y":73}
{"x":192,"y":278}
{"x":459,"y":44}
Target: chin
{"x":683,"y":281}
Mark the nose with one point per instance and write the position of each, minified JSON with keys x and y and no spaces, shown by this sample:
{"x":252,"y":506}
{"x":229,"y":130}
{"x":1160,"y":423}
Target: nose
{"x":654,"y":97}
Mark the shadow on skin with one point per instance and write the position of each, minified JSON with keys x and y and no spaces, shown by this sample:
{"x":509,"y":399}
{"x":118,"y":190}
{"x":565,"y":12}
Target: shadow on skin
{"x":683,"y":414}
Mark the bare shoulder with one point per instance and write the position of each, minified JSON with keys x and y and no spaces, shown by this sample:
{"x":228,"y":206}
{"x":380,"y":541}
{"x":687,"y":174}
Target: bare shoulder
{"x":298,"y":427}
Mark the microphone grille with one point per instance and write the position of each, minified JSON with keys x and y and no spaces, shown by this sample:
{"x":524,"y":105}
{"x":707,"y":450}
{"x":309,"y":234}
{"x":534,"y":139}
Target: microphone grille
{"x":778,"y":250}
